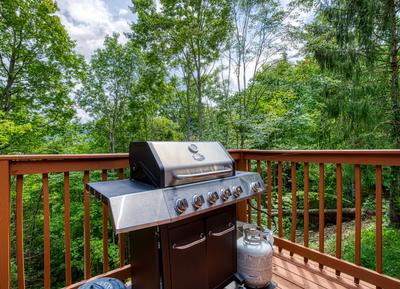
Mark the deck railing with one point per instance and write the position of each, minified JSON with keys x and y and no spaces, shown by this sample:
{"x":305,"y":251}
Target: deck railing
{"x":275,"y":167}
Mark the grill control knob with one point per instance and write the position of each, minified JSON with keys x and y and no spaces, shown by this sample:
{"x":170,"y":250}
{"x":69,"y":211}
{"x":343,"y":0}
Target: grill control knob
{"x":255,"y":187}
{"x":212,"y":197}
{"x":198,"y":201}
{"x":181,"y":205}
{"x":225,"y":194}
{"x":237,"y":191}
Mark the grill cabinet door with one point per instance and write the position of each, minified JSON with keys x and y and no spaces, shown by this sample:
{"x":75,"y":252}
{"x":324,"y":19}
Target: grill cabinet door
{"x":188,"y":256}
{"x":221,"y":249}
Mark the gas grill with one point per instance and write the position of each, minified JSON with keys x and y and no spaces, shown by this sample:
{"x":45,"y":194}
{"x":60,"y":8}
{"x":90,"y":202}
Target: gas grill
{"x":179,"y":207}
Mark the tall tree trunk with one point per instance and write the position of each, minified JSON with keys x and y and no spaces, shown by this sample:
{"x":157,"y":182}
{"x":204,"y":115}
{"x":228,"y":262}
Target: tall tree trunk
{"x":200,"y":96}
{"x":188,"y":104}
{"x":6,"y":95}
{"x":395,"y":103}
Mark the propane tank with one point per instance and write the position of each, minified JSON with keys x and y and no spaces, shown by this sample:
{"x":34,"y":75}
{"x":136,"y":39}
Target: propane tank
{"x":254,"y":257}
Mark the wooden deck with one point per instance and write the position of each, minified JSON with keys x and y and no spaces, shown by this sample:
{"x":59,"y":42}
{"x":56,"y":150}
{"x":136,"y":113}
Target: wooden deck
{"x":291,"y":273}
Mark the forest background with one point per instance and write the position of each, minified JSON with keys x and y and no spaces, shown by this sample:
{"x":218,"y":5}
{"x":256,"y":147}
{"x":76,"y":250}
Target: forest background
{"x":247,"y":73}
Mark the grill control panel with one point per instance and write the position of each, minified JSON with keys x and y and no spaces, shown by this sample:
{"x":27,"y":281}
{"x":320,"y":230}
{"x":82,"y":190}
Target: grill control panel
{"x":135,"y":205}
{"x":212,"y":194}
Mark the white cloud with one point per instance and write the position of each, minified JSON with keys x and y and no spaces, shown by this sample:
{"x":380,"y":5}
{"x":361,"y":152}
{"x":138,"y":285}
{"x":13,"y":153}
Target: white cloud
{"x":89,"y":21}
{"x":123,"y":12}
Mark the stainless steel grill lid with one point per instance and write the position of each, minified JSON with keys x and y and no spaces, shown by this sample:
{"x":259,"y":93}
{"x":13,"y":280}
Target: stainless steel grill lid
{"x":165,"y":164}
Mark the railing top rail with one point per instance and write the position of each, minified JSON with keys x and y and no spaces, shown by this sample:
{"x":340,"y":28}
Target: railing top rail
{"x":361,"y":157}
{"x":62,"y":157}
{"x":392,"y":152}
{"x":370,"y":157}
{"x":322,"y":152}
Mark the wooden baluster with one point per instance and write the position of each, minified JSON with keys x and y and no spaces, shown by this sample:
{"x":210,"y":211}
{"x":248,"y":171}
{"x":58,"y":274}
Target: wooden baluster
{"x":339,"y":208}
{"x":249,"y":213}
{"x":378,"y":172}
{"x":241,"y":206}
{"x":321,"y":209}
{"x":294,"y":203}
{"x":280,"y":203}
{"x":259,"y":197}
{"x":86,"y":230}
{"x":306,"y":206}
{"x":20,"y":231}
{"x":46,"y":230}
{"x":67,"y":240}
{"x":357,"y":253}
{"x":121,"y":237}
{"x":269,"y":192}
{"x":5,"y":213}
{"x":105,"y":227}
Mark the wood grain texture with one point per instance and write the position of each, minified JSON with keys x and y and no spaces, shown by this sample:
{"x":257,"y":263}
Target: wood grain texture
{"x":280,"y":201}
{"x":258,"y":197}
{"x":19,"y":219}
{"x":86,"y":231}
{"x":269,"y":193}
{"x":5,"y":213}
{"x":339,"y":208}
{"x":121,"y":237}
{"x":104,"y":217}
{"x":359,"y":272}
{"x":67,"y":216}
{"x":241,"y":206}
{"x":46,"y":230}
{"x":294,"y":203}
{"x":306,"y":205}
{"x":321,"y":206}
{"x":378,"y":175}
{"x":357,"y":184}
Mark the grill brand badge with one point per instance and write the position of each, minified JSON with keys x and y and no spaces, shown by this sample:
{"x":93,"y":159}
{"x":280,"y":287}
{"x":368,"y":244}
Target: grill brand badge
{"x":195,"y":150}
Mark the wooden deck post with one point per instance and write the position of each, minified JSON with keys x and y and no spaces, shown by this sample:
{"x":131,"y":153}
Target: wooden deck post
{"x":5,"y":213}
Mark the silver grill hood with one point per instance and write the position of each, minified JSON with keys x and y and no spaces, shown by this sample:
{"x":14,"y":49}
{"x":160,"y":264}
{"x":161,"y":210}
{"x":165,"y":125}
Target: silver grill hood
{"x":166,"y":164}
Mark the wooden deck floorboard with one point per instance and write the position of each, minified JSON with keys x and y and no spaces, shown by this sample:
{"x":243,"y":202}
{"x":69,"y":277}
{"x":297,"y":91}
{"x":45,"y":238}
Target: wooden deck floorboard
{"x":289,"y":272}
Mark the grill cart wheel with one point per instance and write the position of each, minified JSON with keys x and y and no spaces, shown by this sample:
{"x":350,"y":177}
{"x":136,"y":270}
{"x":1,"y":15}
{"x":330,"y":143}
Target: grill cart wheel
{"x":103,"y":283}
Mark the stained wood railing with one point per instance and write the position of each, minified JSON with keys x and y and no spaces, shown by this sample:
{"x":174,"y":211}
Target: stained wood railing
{"x":46,"y":165}
{"x":251,"y":160}
{"x":262,"y":161}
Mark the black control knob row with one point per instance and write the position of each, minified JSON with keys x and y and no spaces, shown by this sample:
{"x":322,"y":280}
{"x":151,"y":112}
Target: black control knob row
{"x":181,"y":205}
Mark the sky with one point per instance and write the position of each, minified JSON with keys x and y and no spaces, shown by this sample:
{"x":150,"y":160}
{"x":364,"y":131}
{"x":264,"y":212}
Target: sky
{"x":89,"y":21}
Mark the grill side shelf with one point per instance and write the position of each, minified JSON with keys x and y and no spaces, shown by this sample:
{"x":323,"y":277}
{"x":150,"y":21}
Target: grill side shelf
{"x":133,"y":205}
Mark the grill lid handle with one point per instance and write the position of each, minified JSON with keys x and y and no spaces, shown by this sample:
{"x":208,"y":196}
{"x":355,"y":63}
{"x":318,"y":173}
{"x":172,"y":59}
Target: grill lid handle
{"x":200,"y":175}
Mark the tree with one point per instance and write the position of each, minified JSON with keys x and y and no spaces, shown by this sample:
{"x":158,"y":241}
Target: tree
{"x":258,"y":25}
{"x":189,"y":35}
{"x":108,"y":88}
{"x":355,"y":38}
{"x":38,"y":67}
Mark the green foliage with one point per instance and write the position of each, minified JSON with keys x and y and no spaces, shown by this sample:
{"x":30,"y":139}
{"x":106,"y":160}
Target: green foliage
{"x":188,"y":36}
{"x":163,"y":128}
{"x":9,"y":131}
{"x":38,"y":72}
{"x":184,"y":74}
{"x":108,"y":88}
{"x":390,"y":254}
{"x":33,"y":230}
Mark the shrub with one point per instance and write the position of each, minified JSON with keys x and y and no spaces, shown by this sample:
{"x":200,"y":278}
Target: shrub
{"x":390,"y":254}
